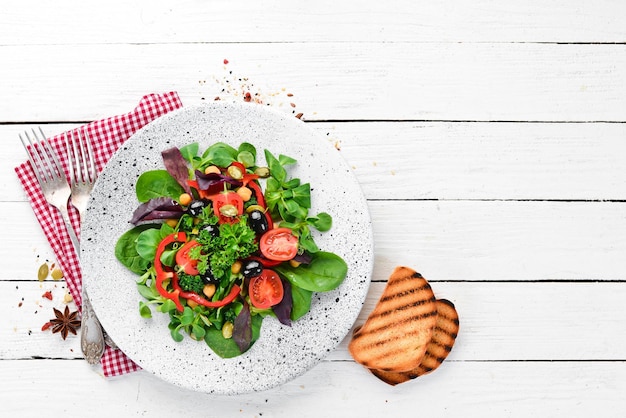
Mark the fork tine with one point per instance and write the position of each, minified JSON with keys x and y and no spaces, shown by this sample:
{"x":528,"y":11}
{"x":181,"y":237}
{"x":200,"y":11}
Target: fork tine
{"x":32,"y":155}
{"x":56,"y":170}
{"x":70,"y":157}
{"x":83,"y":153}
{"x":46,"y":169}
{"x":93,"y":173}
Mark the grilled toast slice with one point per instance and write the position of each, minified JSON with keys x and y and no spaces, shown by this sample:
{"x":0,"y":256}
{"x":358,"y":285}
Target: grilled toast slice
{"x":444,"y":335}
{"x":396,"y":333}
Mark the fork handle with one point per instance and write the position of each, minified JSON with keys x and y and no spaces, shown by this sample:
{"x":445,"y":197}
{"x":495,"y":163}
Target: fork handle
{"x":92,"y":341}
{"x":70,"y":229}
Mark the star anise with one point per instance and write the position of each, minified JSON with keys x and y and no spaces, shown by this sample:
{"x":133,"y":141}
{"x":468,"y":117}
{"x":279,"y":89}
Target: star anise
{"x":65,"y":322}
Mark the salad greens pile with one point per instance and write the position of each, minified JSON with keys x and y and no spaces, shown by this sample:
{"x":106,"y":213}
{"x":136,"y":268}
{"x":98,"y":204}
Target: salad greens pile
{"x":218,"y":253}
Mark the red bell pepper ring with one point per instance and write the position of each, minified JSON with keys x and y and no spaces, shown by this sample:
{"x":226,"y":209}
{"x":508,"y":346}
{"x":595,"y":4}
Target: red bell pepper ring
{"x":203,"y":194}
{"x":161,"y":274}
{"x":258,"y":193}
{"x":234,"y":292}
{"x":265,"y":262}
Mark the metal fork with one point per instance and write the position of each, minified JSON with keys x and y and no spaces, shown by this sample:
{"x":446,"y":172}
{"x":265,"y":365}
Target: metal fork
{"x":82,"y":172}
{"x":49,"y":173}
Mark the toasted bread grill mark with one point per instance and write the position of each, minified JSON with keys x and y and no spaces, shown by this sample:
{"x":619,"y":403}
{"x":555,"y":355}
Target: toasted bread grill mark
{"x":405,"y":292}
{"x":440,"y":345}
{"x":400,"y":300}
{"x":384,"y":327}
{"x":404,"y":280}
{"x":397,"y":331}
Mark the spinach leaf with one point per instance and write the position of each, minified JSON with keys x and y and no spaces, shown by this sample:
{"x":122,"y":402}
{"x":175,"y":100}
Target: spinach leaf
{"x":157,"y":183}
{"x":285,"y":160}
{"x":144,"y":310}
{"x":126,"y":251}
{"x":227,"y":348}
{"x":301,"y":302}
{"x":302,"y":195}
{"x":325,"y":272}
{"x":189,"y":152}
{"x":246,"y":154}
{"x":322,"y":222}
{"x":277,"y":171}
{"x":219,"y":154}
{"x":147,"y":243}
{"x":147,"y":292}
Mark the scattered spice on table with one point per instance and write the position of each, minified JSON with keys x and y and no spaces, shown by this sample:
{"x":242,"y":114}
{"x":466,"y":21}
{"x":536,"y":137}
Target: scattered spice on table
{"x":65,"y":322}
{"x":56,"y":273}
{"x":42,"y":273}
{"x":233,"y":86}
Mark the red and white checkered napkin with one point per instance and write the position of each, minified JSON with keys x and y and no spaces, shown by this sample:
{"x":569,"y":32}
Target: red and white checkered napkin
{"x":106,"y":135}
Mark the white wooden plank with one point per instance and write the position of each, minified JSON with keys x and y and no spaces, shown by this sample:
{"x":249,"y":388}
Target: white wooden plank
{"x":520,"y":389}
{"x":501,"y":240}
{"x":485,"y":160}
{"x":410,"y":160}
{"x":322,"y":21}
{"x":364,"y":81}
{"x":27,"y":248}
{"x":447,"y":240}
{"x":499,"y":321}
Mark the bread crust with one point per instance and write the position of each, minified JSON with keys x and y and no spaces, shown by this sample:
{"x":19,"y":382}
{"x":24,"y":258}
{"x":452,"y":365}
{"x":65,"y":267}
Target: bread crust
{"x":443,"y":338}
{"x":395,"y":336}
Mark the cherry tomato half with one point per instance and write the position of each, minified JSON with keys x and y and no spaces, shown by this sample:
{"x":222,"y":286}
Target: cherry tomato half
{"x":189,"y":265}
{"x":227,"y":206}
{"x":266,"y":290}
{"x":279,"y":244}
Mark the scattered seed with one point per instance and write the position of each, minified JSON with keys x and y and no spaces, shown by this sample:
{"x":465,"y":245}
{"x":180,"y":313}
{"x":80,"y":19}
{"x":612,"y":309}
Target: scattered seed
{"x":57,"y":274}
{"x":67,"y":298}
{"x":42,"y":273}
{"x":47,"y":295}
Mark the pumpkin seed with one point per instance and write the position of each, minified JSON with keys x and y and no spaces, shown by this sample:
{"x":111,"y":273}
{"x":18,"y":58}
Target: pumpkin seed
{"x":42,"y":273}
{"x":57,"y":274}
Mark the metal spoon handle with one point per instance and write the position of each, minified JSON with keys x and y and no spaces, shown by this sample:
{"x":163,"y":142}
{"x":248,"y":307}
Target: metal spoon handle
{"x":91,"y":336}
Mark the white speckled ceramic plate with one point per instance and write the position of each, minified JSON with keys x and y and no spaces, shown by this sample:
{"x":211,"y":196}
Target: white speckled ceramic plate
{"x":282,"y":352}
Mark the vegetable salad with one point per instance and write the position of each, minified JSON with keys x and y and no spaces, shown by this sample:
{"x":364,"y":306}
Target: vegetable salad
{"x":218,"y":252}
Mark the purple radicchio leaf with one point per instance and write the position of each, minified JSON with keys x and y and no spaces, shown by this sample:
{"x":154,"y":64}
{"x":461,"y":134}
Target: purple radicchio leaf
{"x":176,"y":165}
{"x":242,"y":329}
{"x":213,"y":183}
{"x":157,"y":208}
{"x":304,"y":258}
{"x":283,"y":308}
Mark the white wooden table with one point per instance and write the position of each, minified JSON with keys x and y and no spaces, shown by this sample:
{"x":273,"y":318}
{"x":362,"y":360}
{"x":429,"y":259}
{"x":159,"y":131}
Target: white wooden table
{"x":490,"y":141}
